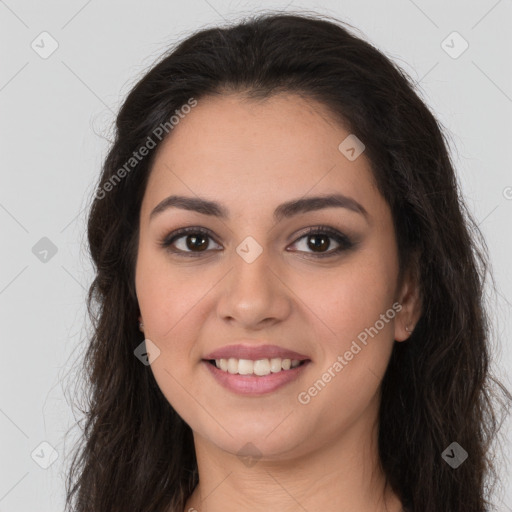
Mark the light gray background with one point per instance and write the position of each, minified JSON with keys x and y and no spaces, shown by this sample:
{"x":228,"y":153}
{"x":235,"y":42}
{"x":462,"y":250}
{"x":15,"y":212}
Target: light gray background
{"x":55,"y":123}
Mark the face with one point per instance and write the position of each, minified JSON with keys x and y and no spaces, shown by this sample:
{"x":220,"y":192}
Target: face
{"x":253,"y":276}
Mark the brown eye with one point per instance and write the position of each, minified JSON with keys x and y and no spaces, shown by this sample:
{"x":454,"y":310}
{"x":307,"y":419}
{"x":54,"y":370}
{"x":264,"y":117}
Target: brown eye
{"x":196,"y":242}
{"x":319,"y":240}
{"x":188,"y":241}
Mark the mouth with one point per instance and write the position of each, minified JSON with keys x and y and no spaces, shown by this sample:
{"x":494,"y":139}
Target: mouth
{"x":253,"y":369}
{"x":255,"y":378}
{"x":259,"y":367}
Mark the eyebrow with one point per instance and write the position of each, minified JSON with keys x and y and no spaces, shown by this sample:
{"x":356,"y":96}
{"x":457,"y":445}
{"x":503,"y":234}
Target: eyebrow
{"x":284,"y":210}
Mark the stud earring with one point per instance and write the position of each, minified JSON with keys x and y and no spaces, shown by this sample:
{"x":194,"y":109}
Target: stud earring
{"x":407,"y":329}
{"x":141,"y":327}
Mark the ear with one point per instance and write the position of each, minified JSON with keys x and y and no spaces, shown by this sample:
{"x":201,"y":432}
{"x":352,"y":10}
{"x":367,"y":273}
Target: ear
{"x":409,"y":297}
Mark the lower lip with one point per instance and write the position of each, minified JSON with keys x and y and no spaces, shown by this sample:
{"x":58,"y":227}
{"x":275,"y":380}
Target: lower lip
{"x":252,"y":384}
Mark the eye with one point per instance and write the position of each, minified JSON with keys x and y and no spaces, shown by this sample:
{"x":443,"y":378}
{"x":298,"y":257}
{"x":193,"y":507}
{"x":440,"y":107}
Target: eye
{"x":320,"y":240}
{"x":195,"y":241}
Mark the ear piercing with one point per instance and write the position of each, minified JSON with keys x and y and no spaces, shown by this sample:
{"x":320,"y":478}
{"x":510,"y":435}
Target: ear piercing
{"x":407,"y":329}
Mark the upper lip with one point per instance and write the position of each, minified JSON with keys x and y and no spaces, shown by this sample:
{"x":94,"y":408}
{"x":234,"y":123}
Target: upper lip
{"x":254,"y":352}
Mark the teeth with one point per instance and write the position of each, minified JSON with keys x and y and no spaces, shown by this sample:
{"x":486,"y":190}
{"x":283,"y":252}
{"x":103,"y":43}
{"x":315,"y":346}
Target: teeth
{"x":245,"y":366}
{"x":232,"y":365}
{"x":261,"y":367}
{"x":275,"y":365}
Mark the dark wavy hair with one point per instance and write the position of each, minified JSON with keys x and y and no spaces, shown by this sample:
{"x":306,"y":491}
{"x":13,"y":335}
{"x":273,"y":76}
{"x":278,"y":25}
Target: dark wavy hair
{"x":136,"y":453}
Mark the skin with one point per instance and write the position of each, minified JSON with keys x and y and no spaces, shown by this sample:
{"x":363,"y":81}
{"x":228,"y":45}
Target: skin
{"x":252,"y":156}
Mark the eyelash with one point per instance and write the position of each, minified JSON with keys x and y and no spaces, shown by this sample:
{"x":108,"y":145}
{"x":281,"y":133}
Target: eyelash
{"x":345,"y":243}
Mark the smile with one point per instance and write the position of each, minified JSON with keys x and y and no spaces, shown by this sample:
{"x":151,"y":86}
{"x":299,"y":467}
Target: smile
{"x":243,"y":379}
{"x":260,"y":367}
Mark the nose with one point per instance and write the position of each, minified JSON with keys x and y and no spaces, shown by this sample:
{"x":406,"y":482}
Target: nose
{"x":254,"y":295}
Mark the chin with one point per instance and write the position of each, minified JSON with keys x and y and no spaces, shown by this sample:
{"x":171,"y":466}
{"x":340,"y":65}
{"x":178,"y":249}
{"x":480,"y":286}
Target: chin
{"x":276,"y":439}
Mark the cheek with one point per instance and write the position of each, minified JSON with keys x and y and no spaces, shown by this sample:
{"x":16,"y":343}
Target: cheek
{"x":353,"y":318}
{"x":350,"y":299}
{"x":170,"y":304}
{"x":167,"y":294}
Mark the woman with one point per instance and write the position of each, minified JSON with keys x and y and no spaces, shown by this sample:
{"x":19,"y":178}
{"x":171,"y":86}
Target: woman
{"x":288,"y":290}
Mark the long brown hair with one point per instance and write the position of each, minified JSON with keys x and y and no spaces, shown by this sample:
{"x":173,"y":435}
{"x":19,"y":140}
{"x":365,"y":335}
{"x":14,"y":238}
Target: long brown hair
{"x":136,"y":453}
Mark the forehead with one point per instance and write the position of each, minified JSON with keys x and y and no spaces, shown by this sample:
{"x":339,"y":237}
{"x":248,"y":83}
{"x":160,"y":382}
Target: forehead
{"x":239,"y":150}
